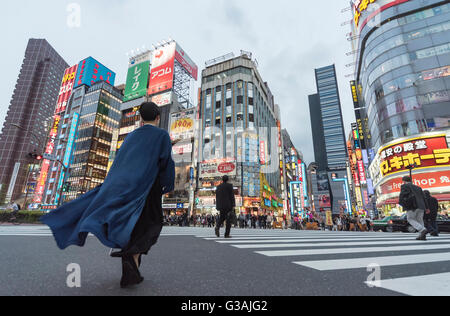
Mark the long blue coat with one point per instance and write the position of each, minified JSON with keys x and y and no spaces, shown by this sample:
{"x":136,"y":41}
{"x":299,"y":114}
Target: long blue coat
{"x":111,"y":211}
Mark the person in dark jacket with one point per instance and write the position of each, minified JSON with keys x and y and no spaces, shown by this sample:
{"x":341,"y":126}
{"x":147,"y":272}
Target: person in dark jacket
{"x":431,"y":215}
{"x":413,"y":201}
{"x":225,"y":204}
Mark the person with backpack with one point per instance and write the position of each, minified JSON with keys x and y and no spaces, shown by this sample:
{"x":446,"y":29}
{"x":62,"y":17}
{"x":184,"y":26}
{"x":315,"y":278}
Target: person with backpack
{"x":412,"y":199}
{"x":431,"y":215}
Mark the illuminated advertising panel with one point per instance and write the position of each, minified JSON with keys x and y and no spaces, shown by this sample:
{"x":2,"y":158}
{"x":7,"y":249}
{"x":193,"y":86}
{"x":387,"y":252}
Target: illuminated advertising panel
{"x":67,"y":85}
{"x":423,"y":152}
{"x":182,"y":125}
{"x":186,"y":62}
{"x":163,"y":99}
{"x":361,"y":171}
{"x":363,"y":12}
{"x":91,"y":71}
{"x":137,"y":77}
{"x":217,"y":168}
{"x":427,"y":181}
{"x":162,"y":73}
{"x":68,"y":153}
{"x":262,"y":152}
{"x":66,"y":89}
{"x":46,"y":163}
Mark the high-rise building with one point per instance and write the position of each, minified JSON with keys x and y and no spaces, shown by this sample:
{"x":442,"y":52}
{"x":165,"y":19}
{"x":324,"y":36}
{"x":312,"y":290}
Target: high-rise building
{"x":29,"y":116}
{"x":330,"y":147}
{"x":99,"y":118}
{"x":402,"y":91}
{"x":58,"y":153}
{"x":238,"y":135}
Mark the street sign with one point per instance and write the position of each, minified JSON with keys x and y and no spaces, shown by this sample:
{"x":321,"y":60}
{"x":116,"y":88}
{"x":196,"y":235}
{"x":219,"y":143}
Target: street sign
{"x":49,"y":157}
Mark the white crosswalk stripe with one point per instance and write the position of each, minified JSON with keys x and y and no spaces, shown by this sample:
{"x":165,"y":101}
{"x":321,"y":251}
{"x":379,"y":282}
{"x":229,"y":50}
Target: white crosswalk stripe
{"x":355,"y":251}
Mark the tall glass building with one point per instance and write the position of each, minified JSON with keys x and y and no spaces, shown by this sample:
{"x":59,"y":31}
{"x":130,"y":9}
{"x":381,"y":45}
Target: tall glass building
{"x":330,"y":147}
{"x":99,"y":118}
{"x":402,"y":58}
{"x":326,"y":114}
{"x":403,"y":68}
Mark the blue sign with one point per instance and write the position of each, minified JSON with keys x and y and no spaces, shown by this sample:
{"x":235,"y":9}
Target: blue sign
{"x":91,"y":71}
{"x":180,"y":205}
{"x":68,"y":153}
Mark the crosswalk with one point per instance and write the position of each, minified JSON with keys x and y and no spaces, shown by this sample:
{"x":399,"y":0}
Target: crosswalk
{"x":318,"y":251}
{"x":326,"y":251}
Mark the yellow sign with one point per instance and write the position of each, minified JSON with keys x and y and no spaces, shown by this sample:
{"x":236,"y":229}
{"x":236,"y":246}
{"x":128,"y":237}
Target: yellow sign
{"x":329,"y":218}
{"x":360,"y":7}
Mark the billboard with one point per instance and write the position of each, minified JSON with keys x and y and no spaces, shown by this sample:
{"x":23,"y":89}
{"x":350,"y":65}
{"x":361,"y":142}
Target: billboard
{"x":427,"y":181}
{"x":68,"y":152}
{"x":423,"y":152}
{"x":66,"y":89}
{"x":162,"y":73}
{"x":364,"y":11}
{"x":137,"y":77}
{"x":217,"y":168}
{"x":91,"y":71}
{"x":182,"y":125}
{"x":186,"y":62}
{"x":162,"y":99}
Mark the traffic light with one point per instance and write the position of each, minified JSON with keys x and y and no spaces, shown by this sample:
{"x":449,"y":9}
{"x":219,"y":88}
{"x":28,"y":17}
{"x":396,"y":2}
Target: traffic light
{"x":35,"y":156}
{"x":66,"y":187}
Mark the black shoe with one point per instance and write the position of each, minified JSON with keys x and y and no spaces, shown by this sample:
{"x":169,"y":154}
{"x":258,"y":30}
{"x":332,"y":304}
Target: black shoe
{"x":228,"y":237}
{"x":217,"y":232}
{"x":130,"y":273}
{"x":435,"y":234}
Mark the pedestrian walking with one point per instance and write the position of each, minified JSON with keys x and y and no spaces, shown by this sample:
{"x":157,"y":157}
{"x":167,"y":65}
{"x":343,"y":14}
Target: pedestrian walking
{"x":412,"y":199}
{"x":225,"y":204}
{"x":431,"y":215}
{"x":125,"y":212}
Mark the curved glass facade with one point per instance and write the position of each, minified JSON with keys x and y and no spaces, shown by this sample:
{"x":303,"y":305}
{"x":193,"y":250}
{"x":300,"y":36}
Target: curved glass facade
{"x":404,"y":71}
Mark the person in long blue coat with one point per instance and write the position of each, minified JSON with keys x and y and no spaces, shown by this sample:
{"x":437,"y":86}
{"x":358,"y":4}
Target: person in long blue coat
{"x":125,"y":212}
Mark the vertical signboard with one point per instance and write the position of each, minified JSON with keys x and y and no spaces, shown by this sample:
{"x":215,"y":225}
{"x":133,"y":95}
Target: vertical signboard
{"x":162,"y":73}
{"x":68,"y":153}
{"x":67,"y":85}
{"x":137,"y":78}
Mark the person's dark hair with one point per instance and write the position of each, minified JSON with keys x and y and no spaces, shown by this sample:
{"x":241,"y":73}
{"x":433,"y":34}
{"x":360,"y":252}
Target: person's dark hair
{"x":427,"y":193}
{"x":225,"y":179}
{"x":407,"y":179}
{"x":149,"y":111}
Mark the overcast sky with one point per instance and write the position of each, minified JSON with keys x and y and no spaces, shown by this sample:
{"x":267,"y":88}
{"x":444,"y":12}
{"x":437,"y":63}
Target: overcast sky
{"x":289,"y":38}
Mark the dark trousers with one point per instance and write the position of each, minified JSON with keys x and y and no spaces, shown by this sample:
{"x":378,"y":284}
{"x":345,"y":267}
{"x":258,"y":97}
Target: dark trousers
{"x":225,"y":216}
{"x":431,"y":225}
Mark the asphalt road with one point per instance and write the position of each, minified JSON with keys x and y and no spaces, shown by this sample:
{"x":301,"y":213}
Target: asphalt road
{"x":192,"y":262}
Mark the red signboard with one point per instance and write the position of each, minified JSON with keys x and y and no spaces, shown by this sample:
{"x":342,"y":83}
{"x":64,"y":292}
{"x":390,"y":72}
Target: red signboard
{"x":362,"y":173}
{"x":186,"y":62}
{"x":426,"y":181}
{"x":162,"y":73}
{"x":226,"y":167}
{"x":64,"y":94}
{"x":262,"y":152}
{"x":423,"y":152}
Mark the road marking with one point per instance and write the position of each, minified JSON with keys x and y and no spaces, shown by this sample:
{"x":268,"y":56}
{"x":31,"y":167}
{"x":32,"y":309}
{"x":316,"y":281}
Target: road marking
{"x":424,"y":285}
{"x":331,"y":251}
{"x":362,"y":263}
{"x":336,"y":244}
